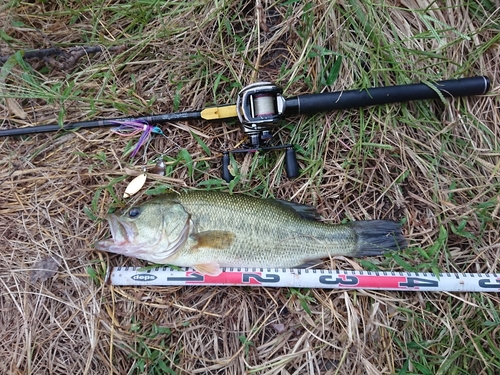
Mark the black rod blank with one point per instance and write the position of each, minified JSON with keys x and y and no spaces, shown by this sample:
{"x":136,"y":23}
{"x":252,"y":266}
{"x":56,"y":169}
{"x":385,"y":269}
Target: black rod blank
{"x":195,"y":115}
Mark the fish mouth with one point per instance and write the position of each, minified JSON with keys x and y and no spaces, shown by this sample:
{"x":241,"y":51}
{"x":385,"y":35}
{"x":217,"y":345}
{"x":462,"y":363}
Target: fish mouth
{"x":126,"y":240}
{"x":122,"y":234}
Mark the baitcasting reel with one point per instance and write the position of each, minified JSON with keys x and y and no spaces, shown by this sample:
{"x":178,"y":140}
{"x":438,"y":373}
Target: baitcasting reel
{"x":259,"y":107}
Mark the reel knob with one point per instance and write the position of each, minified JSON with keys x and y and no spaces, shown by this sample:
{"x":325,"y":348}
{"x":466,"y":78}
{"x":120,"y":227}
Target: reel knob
{"x":291,"y":165}
{"x":226,"y":175}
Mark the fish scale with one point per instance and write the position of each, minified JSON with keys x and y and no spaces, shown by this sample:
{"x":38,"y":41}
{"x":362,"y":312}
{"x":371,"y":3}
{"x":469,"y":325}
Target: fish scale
{"x":270,"y":234}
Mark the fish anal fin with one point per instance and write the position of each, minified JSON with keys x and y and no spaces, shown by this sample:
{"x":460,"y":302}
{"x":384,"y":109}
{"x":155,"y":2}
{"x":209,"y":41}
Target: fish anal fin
{"x":211,"y":269}
{"x":309,"y":263}
{"x":214,"y":239}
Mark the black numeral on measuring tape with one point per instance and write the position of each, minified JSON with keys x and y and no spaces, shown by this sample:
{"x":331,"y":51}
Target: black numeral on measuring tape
{"x":327,"y":279}
{"x":486,"y":283}
{"x":270,"y":278}
{"x":417,"y":282}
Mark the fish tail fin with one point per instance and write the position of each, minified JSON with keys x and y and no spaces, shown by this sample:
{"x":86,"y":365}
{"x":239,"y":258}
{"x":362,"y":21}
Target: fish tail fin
{"x":376,"y":237}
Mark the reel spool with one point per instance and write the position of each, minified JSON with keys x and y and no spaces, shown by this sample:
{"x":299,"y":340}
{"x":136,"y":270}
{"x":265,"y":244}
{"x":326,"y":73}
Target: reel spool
{"x":259,"y":107}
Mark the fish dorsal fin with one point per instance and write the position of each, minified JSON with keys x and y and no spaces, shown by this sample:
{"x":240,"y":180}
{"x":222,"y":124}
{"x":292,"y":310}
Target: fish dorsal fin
{"x":214,"y":239}
{"x":304,"y":210}
{"x":211,"y":269}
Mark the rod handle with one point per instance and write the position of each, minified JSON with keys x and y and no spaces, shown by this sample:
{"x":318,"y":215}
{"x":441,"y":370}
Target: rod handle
{"x":325,"y":102}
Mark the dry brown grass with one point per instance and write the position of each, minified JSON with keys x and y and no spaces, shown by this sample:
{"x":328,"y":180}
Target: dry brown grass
{"x":449,"y":155}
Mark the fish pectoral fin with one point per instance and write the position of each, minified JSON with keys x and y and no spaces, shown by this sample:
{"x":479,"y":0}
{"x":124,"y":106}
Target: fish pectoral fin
{"x":211,"y":269}
{"x":214,"y":239}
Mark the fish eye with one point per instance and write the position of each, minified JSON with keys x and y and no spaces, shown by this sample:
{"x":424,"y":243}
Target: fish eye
{"x":134,"y":212}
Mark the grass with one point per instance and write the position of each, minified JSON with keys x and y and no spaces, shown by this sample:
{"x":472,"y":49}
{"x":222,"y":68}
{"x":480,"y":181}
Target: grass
{"x":434,"y":166}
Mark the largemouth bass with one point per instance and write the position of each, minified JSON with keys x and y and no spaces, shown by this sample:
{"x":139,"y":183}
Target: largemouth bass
{"x":209,"y":230}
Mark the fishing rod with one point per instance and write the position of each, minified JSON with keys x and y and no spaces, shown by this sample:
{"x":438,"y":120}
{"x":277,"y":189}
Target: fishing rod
{"x":308,"y":278}
{"x":260,"y":107}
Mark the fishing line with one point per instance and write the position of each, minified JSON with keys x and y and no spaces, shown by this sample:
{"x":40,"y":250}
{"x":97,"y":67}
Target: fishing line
{"x":308,"y":278}
{"x":263,"y":105}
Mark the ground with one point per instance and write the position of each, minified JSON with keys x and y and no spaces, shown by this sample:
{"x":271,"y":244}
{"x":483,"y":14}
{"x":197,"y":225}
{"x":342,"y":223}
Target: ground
{"x":432,"y":165}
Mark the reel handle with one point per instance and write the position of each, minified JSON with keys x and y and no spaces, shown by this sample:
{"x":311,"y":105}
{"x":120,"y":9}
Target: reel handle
{"x":291,"y":166}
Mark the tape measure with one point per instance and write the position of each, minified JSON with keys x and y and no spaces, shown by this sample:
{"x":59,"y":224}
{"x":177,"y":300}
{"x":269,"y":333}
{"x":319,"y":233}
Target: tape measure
{"x":309,"y":278}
